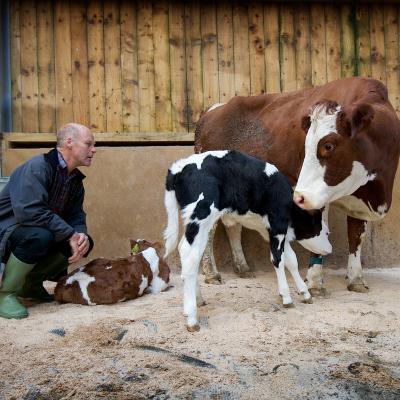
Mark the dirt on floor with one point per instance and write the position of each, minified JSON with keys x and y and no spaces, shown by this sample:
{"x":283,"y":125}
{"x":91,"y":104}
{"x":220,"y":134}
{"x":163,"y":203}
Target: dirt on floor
{"x":343,"y":346}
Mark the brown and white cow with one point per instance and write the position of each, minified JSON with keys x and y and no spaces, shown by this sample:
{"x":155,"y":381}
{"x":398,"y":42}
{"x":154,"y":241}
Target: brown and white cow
{"x":346,"y":132}
{"x":109,"y":281}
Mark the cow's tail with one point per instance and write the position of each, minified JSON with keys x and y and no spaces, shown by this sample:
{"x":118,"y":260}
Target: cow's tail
{"x":171,"y":232}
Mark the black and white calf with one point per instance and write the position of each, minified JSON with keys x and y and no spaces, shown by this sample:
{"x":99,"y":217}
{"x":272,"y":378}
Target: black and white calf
{"x":236,"y":187}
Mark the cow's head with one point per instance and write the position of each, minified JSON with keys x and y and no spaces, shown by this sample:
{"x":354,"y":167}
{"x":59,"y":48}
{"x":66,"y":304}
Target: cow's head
{"x":333,"y":150}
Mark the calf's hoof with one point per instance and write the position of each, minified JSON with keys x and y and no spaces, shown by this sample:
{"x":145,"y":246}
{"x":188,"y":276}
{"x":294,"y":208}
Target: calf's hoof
{"x":318,"y":292}
{"x":308,"y":300}
{"x":358,"y":287}
{"x":194,"y":328}
{"x":288,"y":305}
{"x":247,"y":274}
{"x":213,"y":280}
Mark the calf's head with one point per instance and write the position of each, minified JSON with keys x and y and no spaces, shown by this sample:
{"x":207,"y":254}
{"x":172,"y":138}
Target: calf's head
{"x":332,"y":166}
{"x":143,"y":246}
{"x":310,"y":230}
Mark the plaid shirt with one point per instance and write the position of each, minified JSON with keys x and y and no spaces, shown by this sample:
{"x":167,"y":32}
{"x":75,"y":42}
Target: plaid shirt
{"x":63,"y":188}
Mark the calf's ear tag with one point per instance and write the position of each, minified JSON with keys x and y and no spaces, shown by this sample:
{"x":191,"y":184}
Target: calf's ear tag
{"x":135,"y":249}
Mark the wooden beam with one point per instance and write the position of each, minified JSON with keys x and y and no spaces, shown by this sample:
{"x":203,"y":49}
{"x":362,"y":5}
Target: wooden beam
{"x":20,"y":140}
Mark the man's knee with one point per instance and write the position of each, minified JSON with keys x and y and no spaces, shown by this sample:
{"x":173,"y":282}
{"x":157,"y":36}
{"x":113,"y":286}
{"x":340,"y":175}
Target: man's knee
{"x":29,"y":244}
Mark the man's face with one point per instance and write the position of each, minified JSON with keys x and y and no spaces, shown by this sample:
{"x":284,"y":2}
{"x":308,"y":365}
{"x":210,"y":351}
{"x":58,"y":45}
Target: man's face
{"x":83,"y":148}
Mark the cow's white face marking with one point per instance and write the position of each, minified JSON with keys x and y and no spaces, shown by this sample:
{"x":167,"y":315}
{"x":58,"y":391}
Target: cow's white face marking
{"x":143,"y":284}
{"x":311,"y":184}
{"x":83,"y":280}
{"x":319,"y":244}
{"x":214,"y":106}
{"x":108,"y":266}
{"x":197,"y":159}
{"x":270,"y":169}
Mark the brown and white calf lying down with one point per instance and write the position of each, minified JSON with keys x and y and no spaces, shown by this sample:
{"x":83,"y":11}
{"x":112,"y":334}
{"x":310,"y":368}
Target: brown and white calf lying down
{"x":109,"y":281}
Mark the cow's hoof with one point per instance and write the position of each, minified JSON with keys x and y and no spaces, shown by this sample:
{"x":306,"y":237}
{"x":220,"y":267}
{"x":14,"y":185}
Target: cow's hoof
{"x":318,"y":292}
{"x":247,"y":274}
{"x":358,"y":287}
{"x":194,"y":328}
{"x":213,"y":280}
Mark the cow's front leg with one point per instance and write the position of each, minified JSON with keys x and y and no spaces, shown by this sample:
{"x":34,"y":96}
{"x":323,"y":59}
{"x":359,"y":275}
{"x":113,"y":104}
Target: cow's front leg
{"x":356,"y":234}
{"x":234,"y":233}
{"x":208,"y":265}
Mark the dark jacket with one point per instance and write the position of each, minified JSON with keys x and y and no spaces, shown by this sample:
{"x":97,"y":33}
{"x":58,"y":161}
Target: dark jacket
{"x":26,"y":199}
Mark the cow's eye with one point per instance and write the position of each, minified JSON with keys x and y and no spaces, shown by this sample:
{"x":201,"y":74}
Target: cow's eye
{"x":329,"y":146}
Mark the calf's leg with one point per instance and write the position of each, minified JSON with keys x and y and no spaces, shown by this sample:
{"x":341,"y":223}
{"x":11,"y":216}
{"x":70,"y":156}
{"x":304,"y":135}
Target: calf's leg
{"x":293,"y":267}
{"x":277,"y":244}
{"x":191,"y":249}
{"x":356,"y":234}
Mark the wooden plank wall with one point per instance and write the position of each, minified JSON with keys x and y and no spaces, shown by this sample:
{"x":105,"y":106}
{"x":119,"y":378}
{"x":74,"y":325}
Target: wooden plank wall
{"x":126,"y":66}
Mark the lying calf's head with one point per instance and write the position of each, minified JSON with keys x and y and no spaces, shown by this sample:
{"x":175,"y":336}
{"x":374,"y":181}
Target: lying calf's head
{"x":310,"y":230}
{"x":142,"y":245}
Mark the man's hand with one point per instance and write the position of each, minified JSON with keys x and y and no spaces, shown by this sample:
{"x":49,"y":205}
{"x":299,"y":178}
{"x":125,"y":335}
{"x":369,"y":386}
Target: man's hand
{"x":79,"y":243}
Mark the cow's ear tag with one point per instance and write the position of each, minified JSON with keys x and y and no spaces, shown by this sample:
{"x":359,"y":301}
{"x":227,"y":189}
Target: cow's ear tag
{"x":135,"y":249}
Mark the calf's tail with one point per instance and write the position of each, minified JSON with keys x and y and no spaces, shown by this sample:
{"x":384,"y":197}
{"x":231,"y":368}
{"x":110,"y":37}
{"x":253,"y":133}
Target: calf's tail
{"x":171,"y":205}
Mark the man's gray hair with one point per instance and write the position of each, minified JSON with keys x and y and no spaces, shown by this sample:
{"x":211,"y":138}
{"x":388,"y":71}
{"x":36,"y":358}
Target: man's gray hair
{"x":67,"y":131}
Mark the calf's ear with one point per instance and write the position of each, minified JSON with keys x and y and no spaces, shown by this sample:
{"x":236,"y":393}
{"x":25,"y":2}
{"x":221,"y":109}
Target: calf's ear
{"x":361,"y":117}
{"x":305,"y":123}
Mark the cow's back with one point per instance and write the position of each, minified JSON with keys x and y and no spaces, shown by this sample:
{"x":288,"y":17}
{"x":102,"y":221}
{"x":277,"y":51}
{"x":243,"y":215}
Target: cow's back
{"x":269,"y":127}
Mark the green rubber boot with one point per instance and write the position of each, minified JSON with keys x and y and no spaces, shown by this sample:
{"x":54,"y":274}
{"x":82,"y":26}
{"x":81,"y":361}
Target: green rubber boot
{"x":14,"y":276}
{"x":47,"y":269}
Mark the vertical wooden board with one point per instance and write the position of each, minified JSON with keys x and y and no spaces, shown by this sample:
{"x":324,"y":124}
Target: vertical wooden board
{"x":333,"y":50}
{"x":363,"y":42}
{"x":377,"y":43}
{"x":46,"y":75}
{"x":162,"y":71}
{"x":271,"y":32}
{"x":257,"y":48}
{"x":391,"y":19}
{"x":318,"y":44}
{"x":178,"y":67}
{"x":241,"y":49}
{"x":80,"y":73}
{"x":95,"y":47}
{"x":193,"y":60}
{"x":112,"y":59}
{"x":147,"y":121}
{"x":129,"y":70}
{"x":209,"y":54}
{"x":226,"y":68}
{"x":349,"y":67}
{"x":303,"y":45}
{"x":16,"y":77}
{"x":63,"y":72}
{"x":29,"y":80}
{"x":288,"y":55}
